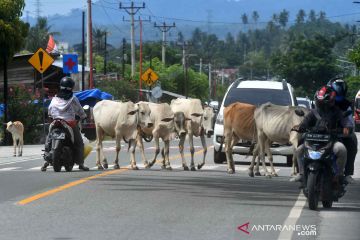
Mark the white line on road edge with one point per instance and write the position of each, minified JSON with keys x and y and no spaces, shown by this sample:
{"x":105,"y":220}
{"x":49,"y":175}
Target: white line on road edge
{"x":9,"y":168}
{"x":20,"y":161}
{"x":293,"y":216}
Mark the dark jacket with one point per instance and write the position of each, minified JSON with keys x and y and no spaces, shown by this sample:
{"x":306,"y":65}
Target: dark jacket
{"x":329,"y":120}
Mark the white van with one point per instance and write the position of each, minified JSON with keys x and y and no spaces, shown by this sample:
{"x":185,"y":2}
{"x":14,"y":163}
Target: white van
{"x":253,"y":92}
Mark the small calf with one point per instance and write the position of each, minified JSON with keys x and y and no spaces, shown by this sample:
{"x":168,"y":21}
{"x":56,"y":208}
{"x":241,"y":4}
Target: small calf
{"x":17,"y":131}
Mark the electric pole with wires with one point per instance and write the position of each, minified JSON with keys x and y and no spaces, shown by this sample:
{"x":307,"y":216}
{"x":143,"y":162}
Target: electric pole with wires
{"x":132,"y":10}
{"x":164,"y":29}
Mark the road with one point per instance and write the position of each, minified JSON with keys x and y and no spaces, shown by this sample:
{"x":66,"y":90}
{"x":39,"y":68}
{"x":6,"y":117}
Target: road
{"x":161,"y":204}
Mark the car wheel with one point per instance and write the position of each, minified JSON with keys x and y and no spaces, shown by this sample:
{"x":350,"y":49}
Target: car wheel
{"x":219,"y":157}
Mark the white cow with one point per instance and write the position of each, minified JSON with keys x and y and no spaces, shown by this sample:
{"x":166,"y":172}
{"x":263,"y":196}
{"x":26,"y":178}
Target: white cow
{"x":274,"y":124}
{"x":121,"y":121}
{"x":192,"y":119}
{"x":163,"y":119}
{"x":17,"y":131}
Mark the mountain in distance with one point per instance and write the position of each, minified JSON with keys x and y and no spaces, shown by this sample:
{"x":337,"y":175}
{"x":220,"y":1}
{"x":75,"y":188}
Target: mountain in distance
{"x":215,"y":16}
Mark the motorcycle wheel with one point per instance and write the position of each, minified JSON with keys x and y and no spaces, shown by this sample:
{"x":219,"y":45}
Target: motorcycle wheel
{"x":57,"y":158}
{"x":313,"y":192}
{"x":148,"y":138}
{"x":327,"y":204}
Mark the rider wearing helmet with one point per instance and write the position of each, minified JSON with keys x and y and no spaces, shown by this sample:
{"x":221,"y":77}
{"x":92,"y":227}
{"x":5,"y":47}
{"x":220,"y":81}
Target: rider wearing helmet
{"x":67,"y":107}
{"x":350,"y":142}
{"x":326,"y":116}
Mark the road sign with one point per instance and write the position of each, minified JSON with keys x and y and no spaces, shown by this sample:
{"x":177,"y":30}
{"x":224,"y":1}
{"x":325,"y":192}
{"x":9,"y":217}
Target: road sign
{"x":149,"y":76}
{"x":70,"y":63}
{"x":41,"y":60}
{"x":156,"y":92}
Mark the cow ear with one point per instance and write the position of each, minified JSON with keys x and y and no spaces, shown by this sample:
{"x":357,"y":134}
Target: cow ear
{"x":167,"y":119}
{"x":196,"y":114}
{"x":187,"y":119}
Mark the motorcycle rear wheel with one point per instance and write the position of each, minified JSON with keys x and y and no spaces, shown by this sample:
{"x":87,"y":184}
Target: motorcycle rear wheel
{"x":313,"y":192}
{"x":69,"y":168}
{"x":327,"y":204}
{"x":57,"y":158}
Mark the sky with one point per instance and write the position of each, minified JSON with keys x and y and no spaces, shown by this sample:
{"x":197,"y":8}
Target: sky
{"x":51,"y":7}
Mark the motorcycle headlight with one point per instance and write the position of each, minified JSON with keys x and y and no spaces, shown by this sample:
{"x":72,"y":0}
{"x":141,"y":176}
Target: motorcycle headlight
{"x":316,"y":154}
{"x":220,"y":119}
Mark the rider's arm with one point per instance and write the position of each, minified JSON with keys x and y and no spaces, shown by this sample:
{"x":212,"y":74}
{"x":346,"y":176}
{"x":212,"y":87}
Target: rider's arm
{"x":78,"y":108}
{"x":308,"y":122}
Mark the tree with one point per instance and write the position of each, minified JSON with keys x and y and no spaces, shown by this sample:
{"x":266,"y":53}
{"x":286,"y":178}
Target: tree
{"x":308,"y":63}
{"x":283,"y":18}
{"x":312,"y":16}
{"x":244,"y":19}
{"x":255,"y":17}
{"x":300,"y":17}
{"x":39,"y":35}
{"x":99,"y":40}
{"x":13,"y":32}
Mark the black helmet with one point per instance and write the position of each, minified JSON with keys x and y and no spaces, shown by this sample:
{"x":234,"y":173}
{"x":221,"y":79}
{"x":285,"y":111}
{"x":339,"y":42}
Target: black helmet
{"x":325,"y":98}
{"x":66,"y":87}
{"x":66,"y":83}
{"x":340,"y":87}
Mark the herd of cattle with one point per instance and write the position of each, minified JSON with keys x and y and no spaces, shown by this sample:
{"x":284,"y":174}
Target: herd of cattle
{"x":262,"y":125}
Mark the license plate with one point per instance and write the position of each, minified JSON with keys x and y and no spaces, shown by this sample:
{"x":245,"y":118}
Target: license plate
{"x":60,"y":136}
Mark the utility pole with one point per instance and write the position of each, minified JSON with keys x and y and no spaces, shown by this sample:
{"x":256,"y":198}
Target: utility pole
{"x":185,"y":57}
{"x":105,"y":53}
{"x":132,"y":10}
{"x":89,"y":44}
{"x":83,"y":52}
{"x":164,"y":29}
{"x":123,"y":57}
{"x":200,"y":67}
{"x":210,"y":82}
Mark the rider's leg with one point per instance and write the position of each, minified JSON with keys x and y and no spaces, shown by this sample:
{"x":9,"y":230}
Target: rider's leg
{"x":351,"y":147}
{"x":341,"y":155}
{"x":47,"y":157}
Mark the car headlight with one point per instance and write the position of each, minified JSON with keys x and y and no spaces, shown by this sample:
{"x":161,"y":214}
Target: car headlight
{"x":220,"y":119}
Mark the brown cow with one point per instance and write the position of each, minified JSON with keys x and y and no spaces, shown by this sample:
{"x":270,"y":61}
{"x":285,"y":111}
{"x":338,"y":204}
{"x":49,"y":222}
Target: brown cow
{"x":17,"y":131}
{"x":238,"y":124}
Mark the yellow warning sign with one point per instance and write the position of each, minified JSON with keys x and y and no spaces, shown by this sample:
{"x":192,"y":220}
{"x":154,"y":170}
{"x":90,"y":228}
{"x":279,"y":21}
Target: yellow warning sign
{"x":149,"y":76}
{"x":41,"y":60}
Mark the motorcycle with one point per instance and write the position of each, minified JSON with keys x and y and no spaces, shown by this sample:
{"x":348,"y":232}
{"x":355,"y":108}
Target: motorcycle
{"x":320,"y":168}
{"x":62,"y":140}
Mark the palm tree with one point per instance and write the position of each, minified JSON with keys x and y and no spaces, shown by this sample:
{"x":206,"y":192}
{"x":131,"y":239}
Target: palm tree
{"x":39,"y":35}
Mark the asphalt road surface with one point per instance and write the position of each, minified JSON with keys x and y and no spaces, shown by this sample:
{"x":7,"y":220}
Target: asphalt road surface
{"x":161,"y":204}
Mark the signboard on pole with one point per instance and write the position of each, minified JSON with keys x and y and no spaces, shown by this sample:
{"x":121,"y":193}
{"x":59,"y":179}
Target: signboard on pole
{"x":149,"y":76}
{"x":41,"y":60}
{"x":70,"y":63}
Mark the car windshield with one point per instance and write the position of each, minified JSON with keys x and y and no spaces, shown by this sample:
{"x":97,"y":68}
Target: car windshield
{"x":258,"y":96}
{"x":304,"y":103}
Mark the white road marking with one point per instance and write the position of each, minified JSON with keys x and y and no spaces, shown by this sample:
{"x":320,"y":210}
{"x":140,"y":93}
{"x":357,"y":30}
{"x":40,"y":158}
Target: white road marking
{"x":20,"y":161}
{"x":293,"y":217}
{"x":9,"y":168}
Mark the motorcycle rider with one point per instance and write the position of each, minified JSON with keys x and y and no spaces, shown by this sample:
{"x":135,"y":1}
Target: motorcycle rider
{"x":325,"y":116}
{"x":66,"y":106}
{"x":350,"y":142}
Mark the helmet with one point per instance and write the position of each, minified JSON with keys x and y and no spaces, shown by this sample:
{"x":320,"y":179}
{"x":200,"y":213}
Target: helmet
{"x":325,"y":98}
{"x":66,"y":87}
{"x":340,"y":88}
{"x":66,"y":83}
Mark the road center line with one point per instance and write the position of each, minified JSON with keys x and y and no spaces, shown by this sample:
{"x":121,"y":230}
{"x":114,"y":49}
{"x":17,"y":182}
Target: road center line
{"x":293,"y":217}
{"x":80,"y":181}
{"x":66,"y":186}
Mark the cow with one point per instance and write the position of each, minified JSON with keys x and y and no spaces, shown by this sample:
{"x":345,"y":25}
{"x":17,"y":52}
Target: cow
{"x":119,"y":120}
{"x":274,"y":124}
{"x":163,"y":119}
{"x":208,"y":121}
{"x":17,"y":131}
{"x":238,"y":124}
{"x":188,"y":115}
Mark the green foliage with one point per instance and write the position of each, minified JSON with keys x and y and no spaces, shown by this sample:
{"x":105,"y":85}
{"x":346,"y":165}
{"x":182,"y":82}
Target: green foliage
{"x":12,"y":30}
{"x":354,"y":55}
{"x":308,"y":63}
{"x":22,"y":107}
{"x":353,"y":84}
